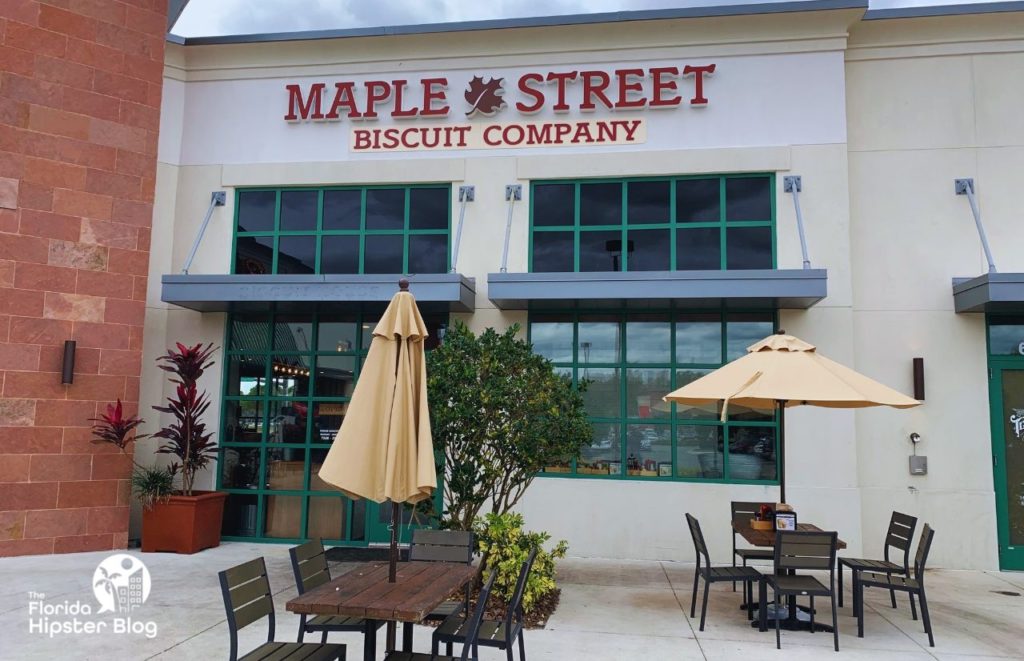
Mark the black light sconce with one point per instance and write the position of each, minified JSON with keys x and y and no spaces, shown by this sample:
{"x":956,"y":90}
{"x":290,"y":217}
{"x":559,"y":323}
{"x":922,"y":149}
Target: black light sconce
{"x":67,"y":368}
{"x":919,"y":379}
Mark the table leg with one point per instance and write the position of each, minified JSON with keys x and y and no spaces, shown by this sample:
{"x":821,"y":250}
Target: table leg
{"x":407,"y":636}
{"x":370,"y":641}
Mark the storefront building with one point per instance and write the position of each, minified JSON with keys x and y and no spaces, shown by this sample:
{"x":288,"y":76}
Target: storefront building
{"x":625,"y":188}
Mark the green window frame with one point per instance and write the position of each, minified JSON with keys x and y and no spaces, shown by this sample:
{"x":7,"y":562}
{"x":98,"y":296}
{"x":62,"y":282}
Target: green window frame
{"x":731,"y":220}
{"x":263,"y":438}
{"x":667,"y":354}
{"x":273,"y":236}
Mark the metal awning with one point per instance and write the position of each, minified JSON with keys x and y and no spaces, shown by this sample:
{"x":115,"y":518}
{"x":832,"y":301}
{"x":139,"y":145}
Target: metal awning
{"x":992,"y":292}
{"x":782,"y":288}
{"x":224,"y":293}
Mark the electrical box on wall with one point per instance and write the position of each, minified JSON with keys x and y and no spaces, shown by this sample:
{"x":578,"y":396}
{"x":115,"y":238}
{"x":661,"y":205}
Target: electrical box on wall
{"x":918,"y":465}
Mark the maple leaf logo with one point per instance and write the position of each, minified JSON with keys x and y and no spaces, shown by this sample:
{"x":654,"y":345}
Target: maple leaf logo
{"x":485,"y":98}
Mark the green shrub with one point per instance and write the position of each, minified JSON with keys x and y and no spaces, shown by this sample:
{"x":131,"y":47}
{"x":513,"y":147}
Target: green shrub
{"x":505,"y":547}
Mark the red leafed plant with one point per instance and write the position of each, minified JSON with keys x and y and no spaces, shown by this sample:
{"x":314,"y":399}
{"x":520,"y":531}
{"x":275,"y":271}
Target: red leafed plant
{"x":187,"y":438}
{"x":116,"y":428}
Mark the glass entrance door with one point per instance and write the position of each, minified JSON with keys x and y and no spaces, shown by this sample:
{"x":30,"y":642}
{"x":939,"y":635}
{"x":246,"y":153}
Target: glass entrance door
{"x":1007,"y":391}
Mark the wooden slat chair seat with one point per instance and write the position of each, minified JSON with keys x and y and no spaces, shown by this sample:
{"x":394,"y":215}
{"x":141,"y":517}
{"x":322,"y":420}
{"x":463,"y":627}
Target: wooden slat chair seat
{"x":912,"y":585}
{"x":443,"y":546}
{"x":309,"y":565}
{"x":704,"y":570}
{"x":472,"y":631}
{"x":898,"y":536}
{"x":802,"y":550}
{"x":247,"y":599}
{"x":501,"y":634}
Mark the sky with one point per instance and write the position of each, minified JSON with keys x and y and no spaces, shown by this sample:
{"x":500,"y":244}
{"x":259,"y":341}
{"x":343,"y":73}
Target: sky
{"x":217,"y":17}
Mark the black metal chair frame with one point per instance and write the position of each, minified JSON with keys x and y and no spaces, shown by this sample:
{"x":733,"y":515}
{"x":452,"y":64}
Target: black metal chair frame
{"x":247,"y":599}
{"x":443,"y":546}
{"x":906,"y":584}
{"x":742,"y":511}
{"x":503,"y":638}
{"x":801,"y":549}
{"x":900,"y":536}
{"x":309,"y":565}
{"x":704,"y":570}
{"x":470,"y":649}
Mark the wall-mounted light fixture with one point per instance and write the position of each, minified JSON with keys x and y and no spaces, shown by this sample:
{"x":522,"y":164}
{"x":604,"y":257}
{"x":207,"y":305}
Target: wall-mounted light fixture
{"x":918,"y":463}
{"x":67,"y":367}
{"x":919,"y":379}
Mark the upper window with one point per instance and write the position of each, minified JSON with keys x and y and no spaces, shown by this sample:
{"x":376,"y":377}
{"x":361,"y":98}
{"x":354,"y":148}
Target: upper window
{"x":1006,"y":336}
{"x":370,"y":229}
{"x":675,"y":223}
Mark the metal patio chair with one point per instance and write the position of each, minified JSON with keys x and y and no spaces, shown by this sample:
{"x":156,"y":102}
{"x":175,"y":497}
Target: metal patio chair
{"x":796,"y":550}
{"x":469,"y":648}
{"x":891,"y":582}
{"x":899,"y":536}
{"x":742,"y":513}
{"x":501,"y":634}
{"x":309,"y":565}
{"x":443,"y":546}
{"x":745,"y":575}
{"x":247,"y":599}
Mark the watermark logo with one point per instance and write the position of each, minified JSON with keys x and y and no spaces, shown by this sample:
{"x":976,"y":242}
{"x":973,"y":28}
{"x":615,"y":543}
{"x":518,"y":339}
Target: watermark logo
{"x":121,"y":584}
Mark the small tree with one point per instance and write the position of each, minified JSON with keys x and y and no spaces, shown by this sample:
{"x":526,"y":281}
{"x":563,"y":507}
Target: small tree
{"x":501,"y":414}
{"x":187,"y":438}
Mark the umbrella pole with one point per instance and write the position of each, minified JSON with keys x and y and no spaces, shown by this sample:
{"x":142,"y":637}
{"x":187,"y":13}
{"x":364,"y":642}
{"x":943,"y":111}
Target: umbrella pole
{"x":782,"y":450}
{"x":393,"y":569}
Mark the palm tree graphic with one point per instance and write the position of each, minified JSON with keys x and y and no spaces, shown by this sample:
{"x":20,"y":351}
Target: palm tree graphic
{"x":108,"y":583}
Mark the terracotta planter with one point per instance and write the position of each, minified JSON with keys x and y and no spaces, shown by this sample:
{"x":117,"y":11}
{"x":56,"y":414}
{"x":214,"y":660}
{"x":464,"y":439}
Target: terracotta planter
{"x":184,"y":524}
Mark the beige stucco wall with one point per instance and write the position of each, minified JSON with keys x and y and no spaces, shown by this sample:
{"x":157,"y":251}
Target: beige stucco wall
{"x":880,"y":215}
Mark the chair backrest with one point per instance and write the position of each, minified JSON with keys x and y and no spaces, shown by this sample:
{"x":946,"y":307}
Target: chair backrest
{"x":742,"y":512}
{"x":309,"y":564}
{"x":698,"y":540}
{"x":923,"y":547}
{"x":473,"y":626}
{"x":441,"y":546}
{"x":515,"y":606}
{"x":805,"y":549}
{"x":247,"y":599}
{"x":900,"y":535}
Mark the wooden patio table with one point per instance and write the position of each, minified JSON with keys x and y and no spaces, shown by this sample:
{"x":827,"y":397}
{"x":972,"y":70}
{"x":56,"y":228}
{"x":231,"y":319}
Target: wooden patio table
{"x":766,"y":538}
{"x":365,"y":592}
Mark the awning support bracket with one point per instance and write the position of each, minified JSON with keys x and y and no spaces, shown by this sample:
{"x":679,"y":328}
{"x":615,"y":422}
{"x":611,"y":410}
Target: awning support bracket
{"x":218,"y":198}
{"x":966,"y":187}
{"x":466,"y":194}
{"x":794,"y":185}
{"x":513,"y":194}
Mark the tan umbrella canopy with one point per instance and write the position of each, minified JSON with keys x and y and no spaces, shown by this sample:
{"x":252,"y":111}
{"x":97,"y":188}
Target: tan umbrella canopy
{"x":782,"y":371}
{"x":383,"y":450}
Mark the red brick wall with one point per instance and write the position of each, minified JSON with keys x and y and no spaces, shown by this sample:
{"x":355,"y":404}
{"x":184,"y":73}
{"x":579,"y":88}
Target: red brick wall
{"x":80,"y":84}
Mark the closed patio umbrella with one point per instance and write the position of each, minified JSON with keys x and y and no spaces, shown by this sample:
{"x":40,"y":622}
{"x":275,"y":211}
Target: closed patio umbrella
{"x":383,"y":450}
{"x":781,"y":371}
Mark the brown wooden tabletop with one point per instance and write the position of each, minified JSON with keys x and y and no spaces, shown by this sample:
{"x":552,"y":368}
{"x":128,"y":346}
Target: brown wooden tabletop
{"x":365,"y":591}
{"x":767,"y":537}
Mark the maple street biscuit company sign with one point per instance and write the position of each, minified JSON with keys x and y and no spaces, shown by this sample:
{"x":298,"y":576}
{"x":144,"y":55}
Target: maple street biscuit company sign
{"x":557,"y":93}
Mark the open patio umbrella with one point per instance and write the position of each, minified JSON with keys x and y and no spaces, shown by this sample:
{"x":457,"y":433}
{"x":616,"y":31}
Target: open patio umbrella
{"x":383,"y":450}
{"x":781,"y":371}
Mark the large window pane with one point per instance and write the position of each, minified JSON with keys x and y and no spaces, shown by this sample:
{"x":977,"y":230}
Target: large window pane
{"x":648,"y":341}
{"x":249,"y":333}
{"x":649,"y":450}
{"x":342,"y":209}
{"x":752,"y":453}
{"x":748,"y":248}
{"x":649,"y":250}
{"x":286,"y":428}
{"x":748,"y":198}
{"x":601,"y":204}
{"x":327,"y":418}
{"x":599,"y":342}
{"x":699,"y":340}
{"x":644,"y":391}
{"x":553,"y":205}
{"x":296,"y":254}
{"x":243,"y":421}
{"x":699,"y":451}
{"x":284,"y":517}
{"x":604,"y":454}
{"x":254,"y":255}
{"x":246,"y":376}
{"x":428,"y":208}
{"x":1006,"y":337}
{"x":552,"y":252}
{"x":428,"y":253}
{"x":553,"y":340}
{"x":383,"y":254}
{"x":240,"y":468}
{"x":326,"y":517}
{"x":602,"y":395}
{"x":697,"y":201}
{"x":648,"y":201}
{"x":335,"y":376}
{"x":289,"y":376}
{"x":293,"y":333}
{"x":601,"y":251}
{"x":385,"y":208}
{"x":698,"y":249}
{"x":743,"y":330}
{"x":240,"y":515}
{"x":256,"y":211}
{"x":336,"y":334}
{"x":298,"y":210}
{"x":339,"y":254}
{"x":687,"y":412}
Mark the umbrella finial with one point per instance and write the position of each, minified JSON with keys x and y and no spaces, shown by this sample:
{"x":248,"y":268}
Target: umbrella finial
{"x":403,"y":284}
{"x":780,"y":332}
